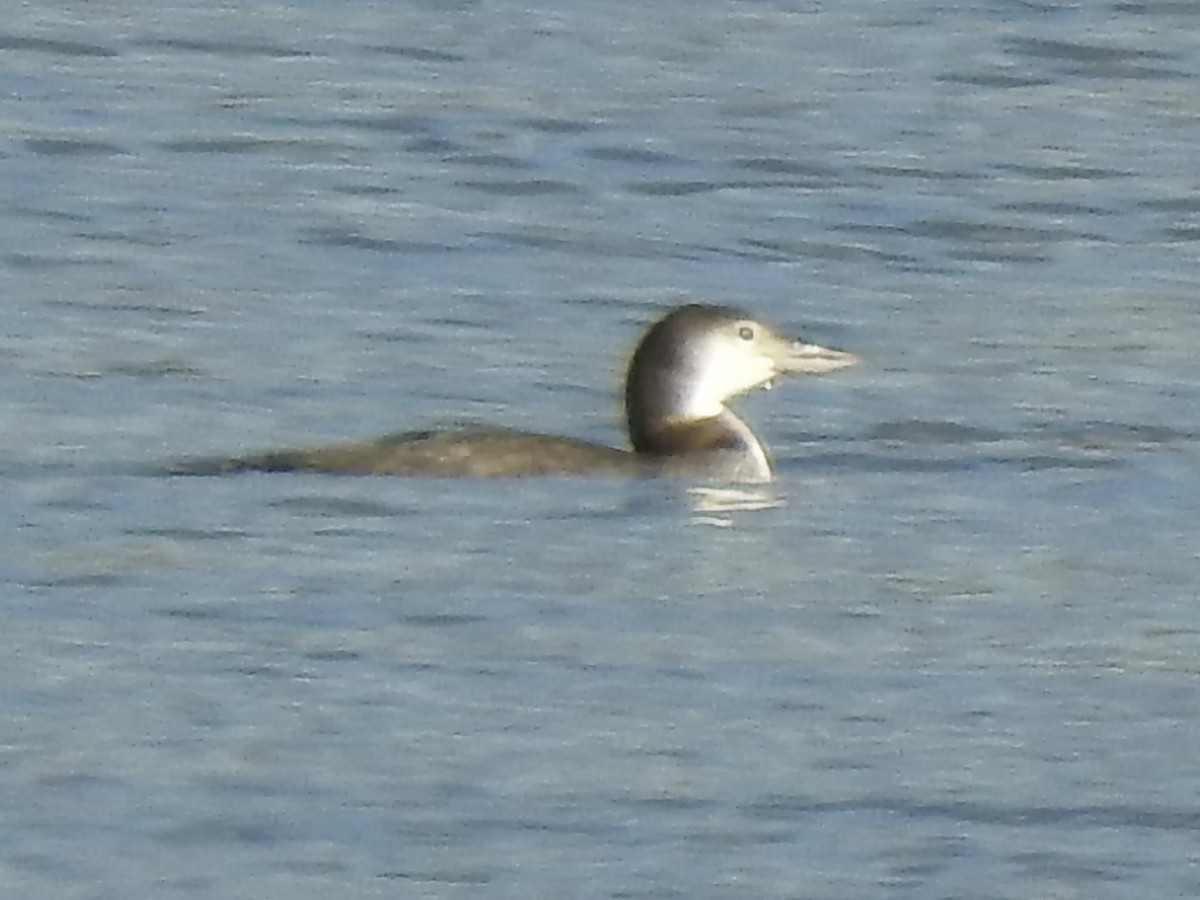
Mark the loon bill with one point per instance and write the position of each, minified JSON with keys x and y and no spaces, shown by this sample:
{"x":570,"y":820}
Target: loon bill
{"x":686,"y":368}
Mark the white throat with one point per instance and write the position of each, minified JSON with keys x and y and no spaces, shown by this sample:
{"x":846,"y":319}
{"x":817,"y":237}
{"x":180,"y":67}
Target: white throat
{"x":724,"y":371}
{"x":754,"y":465}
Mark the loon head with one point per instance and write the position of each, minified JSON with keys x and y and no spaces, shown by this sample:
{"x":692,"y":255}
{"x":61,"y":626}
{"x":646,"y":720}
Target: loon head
{"x":695,"y":359}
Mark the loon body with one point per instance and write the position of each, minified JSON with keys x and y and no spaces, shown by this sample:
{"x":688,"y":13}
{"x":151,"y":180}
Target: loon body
{"x":686,"y":368}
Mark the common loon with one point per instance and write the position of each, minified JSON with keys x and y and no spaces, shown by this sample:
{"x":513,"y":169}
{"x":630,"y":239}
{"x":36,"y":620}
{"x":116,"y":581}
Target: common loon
{"x":686,"y":368}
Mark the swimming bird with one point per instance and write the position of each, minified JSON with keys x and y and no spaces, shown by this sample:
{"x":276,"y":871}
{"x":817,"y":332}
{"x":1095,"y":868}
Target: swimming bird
{"x":686,"y":368}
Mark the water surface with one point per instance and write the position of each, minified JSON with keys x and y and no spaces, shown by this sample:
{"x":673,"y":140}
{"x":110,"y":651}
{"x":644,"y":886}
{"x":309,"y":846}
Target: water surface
{"x":953,"y":654}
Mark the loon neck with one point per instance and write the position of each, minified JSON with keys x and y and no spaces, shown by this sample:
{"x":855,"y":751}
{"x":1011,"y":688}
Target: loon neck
{"x":723,"y":434}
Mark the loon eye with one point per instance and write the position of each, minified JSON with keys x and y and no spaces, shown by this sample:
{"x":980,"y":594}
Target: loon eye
{"x":746,"y":333}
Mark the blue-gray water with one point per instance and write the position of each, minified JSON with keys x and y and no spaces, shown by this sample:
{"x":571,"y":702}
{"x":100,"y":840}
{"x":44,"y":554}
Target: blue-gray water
{"x":959,"y":657}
